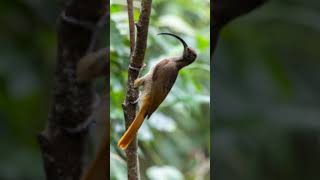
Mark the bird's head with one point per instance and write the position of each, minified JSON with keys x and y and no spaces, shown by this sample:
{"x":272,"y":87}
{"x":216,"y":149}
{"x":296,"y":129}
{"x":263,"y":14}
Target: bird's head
{"x":189,"y":54}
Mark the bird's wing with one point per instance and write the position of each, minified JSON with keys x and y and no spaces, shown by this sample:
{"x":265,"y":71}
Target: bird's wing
{"x":164,"y":76}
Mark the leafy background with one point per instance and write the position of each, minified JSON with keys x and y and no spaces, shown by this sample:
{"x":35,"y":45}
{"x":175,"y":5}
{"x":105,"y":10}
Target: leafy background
{"x":174,"y":142}
{"x":266,"y":94}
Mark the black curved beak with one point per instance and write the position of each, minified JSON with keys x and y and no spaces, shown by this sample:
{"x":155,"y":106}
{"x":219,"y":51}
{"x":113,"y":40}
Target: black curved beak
{"x":179,"y":38}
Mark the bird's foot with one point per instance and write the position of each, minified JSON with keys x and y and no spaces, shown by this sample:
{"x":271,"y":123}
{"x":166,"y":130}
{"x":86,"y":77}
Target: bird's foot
{"x":135,"y":101}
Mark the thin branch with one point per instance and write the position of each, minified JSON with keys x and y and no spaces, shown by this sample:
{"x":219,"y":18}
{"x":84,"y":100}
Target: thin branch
{"x":136,"y":61}
{"x":142,"y":34}
{"x":131,"y":25}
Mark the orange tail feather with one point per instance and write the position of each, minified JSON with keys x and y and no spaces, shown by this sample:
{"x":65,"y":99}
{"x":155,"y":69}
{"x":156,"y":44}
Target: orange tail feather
{"x":131,"y":132}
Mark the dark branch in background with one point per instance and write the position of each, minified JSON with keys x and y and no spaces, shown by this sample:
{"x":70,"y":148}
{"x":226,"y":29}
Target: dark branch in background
{"x":136,"y":62}
{"x":93,"y":65}
{"x":90,"y":67}
{"x":131,"y":25}
{"x":214,"y":37}
{"x":63,"y":141}
{"x":224,"y":11}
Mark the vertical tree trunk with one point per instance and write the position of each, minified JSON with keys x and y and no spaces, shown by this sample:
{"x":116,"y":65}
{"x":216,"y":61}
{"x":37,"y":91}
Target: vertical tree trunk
{"x":62,"y":142}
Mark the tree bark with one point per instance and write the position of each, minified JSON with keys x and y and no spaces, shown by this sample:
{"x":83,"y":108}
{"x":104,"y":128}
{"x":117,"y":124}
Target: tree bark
{"x":136,"y":62}
{"x":63,"y":141}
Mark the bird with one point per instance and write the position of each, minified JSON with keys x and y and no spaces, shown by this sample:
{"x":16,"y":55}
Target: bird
{"x":157,"y":83}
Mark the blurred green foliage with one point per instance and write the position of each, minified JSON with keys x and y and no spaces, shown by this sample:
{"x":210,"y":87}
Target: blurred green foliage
{"x":266,"y":91}
{"x":27,"y":53}
{"x":174,"y":142}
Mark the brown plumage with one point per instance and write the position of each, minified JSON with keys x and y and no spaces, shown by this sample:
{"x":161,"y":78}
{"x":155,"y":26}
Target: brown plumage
{"x":157,"y":84}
